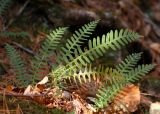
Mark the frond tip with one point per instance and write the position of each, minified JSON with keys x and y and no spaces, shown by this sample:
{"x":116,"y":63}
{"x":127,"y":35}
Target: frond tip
{"x":138,"y":72}
{"x":52,"y":41}
{"x":77,"y":39}
{"x":129,"y":63}
{"x":48,"y":47}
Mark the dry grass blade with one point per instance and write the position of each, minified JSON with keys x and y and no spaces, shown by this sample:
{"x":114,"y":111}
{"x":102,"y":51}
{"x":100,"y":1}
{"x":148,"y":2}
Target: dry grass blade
{"x":19,"y":110}
{"x":5,"y":106}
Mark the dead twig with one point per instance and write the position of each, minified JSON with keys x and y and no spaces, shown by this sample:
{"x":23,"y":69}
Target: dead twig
{"x":151,"y":95}
{"x":24,"y":48}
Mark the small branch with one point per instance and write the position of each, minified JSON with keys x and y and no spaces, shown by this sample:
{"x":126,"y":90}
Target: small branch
{"x":41,"y":99}
{"x":146,"y":94}
{"x":23,"y":48}
{"x":7,"y":93}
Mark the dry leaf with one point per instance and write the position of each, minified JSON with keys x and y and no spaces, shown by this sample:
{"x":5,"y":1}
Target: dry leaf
{"x":155,"y":47}
{"x":28,"y":91}
{"x":128,"y":98}
{"x":9,"y":88}
{"x":44,"y":80}
{"x":81,"y":107}
{"x":39,"y":88}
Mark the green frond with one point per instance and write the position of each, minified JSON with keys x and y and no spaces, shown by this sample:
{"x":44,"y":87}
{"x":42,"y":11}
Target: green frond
{"x":14,"y":34}
{"x":137,"y":73}
{"x":90,"y":73}
{"x":4,"y":4}
{"x":107,"y":93}
{"x":97,"y":48}
{"x":129,"y":63}
{"x":18,"y":65}
{"x":87,"y":73}
{"x":52,"y":41}
{"x":77,"y":39}
{"x":48,"y":48}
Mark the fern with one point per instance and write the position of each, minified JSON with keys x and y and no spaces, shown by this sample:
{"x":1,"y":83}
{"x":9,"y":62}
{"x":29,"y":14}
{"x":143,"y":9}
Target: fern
{"x":52,"y":41}
{"x":90,"y":73}
{"x":96,"y":48}
{"x":77,"y":38}
{"x":14,"y":34}
{"x":4,"y":4}
{"x":136,"y":73}
{"x":87,"y":74}
{"x":107,"y":94}
{"x":18,"y":65}
{"x":48,"y":47}
{"x":76,"y":63}
{"x":128,"y":63}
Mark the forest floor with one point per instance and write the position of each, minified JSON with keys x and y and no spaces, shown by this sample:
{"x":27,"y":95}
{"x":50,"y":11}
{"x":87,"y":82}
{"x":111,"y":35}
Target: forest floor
{"x":37,"y":18}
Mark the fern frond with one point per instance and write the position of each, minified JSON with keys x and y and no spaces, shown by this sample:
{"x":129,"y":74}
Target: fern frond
{"x":77,"y":39}
{"x":4,"y":4}
{"x":141,"y":70}
{"x":129,"y":63}
{"x":14,"y":34}
{"x":18,"y":65}
{"x":97,"y":48}
{"x":87,"y":74}
{"x":52,"y":41}
{"x":90,"y":73}
{"x":48,"y":47}
{"x":107,"y":93}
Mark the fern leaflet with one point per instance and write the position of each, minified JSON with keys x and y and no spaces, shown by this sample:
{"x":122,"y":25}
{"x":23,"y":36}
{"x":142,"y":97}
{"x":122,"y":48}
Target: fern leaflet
{"x":4,"y":4}
{"x":18,"y":65}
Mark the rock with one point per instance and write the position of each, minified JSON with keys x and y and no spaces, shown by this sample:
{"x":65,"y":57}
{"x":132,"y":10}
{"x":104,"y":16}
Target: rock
{"x":155,"y":108}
